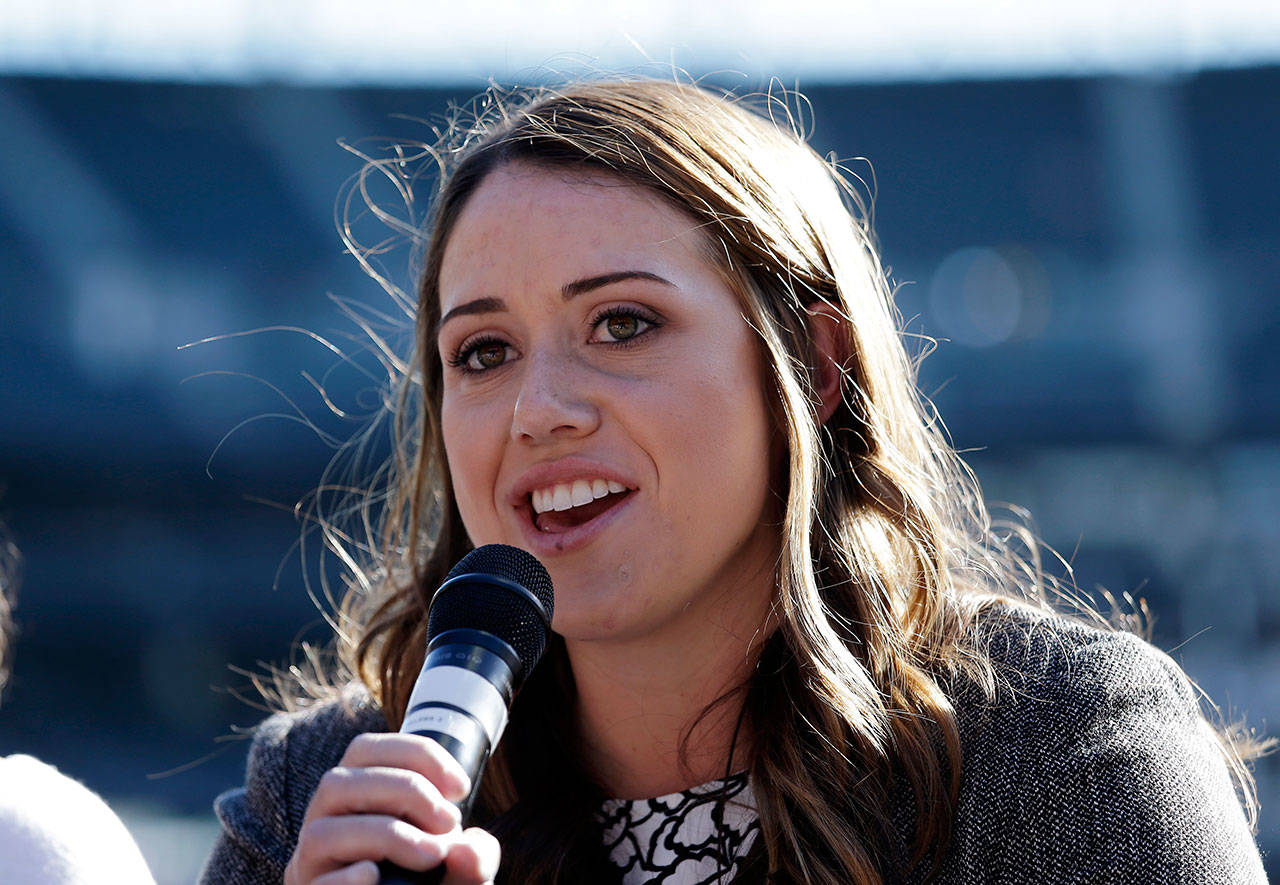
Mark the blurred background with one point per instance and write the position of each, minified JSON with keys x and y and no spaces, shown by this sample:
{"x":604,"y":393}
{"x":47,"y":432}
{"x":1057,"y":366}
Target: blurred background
{"x":1082,"y":204}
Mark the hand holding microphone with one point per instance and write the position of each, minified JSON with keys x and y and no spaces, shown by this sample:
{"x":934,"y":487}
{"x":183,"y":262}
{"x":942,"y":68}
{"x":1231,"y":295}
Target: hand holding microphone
{"x":393,"y":795}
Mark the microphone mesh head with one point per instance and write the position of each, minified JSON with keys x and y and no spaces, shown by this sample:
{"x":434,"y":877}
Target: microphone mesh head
{"x":478,"y":603}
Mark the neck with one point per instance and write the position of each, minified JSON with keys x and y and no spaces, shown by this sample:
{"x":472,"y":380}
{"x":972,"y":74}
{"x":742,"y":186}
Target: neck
{"x":645,"y":707}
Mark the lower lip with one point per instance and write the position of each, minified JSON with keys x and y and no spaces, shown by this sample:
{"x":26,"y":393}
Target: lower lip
{"x":556,"y":543}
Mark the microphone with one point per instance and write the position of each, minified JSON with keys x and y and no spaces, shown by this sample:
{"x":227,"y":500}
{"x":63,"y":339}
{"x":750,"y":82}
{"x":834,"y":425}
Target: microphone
{"x":487,"y":626}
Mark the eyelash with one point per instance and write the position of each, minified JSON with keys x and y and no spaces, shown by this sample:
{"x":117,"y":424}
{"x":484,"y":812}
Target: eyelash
{"x":625,"y":310}
{"x":461,"y":357}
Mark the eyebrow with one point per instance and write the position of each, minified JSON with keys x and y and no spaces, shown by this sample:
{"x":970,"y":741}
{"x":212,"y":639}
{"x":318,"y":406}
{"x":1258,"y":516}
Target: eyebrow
{"x":567,"y":292}
{"x":479,"y":305}
{"x":577,"y":287}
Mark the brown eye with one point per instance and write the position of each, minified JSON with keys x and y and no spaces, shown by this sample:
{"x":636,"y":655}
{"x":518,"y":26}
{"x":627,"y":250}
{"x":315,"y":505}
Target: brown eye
{"x":622,"y":327}
{"x":488,"y":356}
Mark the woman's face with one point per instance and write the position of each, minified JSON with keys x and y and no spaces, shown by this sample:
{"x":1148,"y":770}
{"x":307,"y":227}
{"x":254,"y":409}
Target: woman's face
{"x":603,"y":406}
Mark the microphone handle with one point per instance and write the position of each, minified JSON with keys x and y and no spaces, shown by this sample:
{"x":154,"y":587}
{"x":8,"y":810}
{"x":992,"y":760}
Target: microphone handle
{"x":461,"y":734}
{"x":389,"y":873}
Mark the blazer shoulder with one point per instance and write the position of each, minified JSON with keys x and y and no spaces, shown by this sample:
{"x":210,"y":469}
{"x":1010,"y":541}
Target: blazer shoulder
{"x":1043,"y":661}
{"x":294,"y":749}
{"x":1093,"y":758}
{"x":290,"y":752}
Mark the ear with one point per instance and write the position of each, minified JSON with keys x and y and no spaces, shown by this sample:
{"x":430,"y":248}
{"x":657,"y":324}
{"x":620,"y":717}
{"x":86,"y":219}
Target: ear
{"x":831,"y":346}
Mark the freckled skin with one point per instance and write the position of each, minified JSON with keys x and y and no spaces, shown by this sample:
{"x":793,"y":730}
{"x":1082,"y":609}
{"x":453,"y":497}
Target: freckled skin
{"x":679,"y":410}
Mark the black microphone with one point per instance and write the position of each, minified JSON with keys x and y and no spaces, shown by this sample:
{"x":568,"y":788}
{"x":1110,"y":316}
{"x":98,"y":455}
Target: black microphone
{"x":487,"y":626}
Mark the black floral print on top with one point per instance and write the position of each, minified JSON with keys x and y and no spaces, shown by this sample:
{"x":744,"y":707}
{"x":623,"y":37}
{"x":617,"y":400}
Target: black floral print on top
{"x":695,"y":837}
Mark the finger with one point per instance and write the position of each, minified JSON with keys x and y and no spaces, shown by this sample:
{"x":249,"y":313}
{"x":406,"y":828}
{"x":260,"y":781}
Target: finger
{"x":473,"y":858}
{"x":397,"y":792}
{"x":415,"y":753}
{"x":363,"y":873}
{"x":331,"y":843}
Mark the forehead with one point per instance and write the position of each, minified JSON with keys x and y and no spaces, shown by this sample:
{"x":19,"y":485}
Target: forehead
{"x":527,"y":225}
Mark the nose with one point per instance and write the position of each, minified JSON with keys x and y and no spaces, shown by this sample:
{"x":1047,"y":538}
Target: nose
{"x":554,"y":401}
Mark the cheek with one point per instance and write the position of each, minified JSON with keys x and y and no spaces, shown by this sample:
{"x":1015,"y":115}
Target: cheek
{"x":472,"y":461}
{"x":721,"y":437}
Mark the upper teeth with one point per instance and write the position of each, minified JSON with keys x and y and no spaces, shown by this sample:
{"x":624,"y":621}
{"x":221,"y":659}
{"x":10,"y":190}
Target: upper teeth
{"x":564,"y":495}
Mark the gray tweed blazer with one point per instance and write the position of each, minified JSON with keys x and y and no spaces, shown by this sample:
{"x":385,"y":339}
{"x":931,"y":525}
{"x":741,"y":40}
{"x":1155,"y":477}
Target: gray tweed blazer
{"x":1092,"y":765}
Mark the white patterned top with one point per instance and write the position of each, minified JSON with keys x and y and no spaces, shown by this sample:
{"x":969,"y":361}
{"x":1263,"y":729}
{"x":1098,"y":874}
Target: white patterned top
{"x":695,"y":837}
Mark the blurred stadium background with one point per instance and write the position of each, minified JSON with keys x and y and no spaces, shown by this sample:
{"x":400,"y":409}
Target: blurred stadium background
{"x":1085,"y":207}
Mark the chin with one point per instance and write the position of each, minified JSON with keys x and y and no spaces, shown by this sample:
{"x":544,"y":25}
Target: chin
{"x":599,"y":619}
{"x":588,"y":622}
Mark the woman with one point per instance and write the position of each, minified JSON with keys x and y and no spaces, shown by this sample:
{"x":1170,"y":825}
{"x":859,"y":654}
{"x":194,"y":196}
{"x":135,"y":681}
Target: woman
{"x":655,"y":348}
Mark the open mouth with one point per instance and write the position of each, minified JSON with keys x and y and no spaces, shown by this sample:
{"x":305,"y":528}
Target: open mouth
{"x":566,"y":506}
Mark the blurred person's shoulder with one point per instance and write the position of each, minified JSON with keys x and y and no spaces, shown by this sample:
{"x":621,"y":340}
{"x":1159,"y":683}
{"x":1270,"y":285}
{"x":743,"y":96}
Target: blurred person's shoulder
{"x":53,"y":829}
